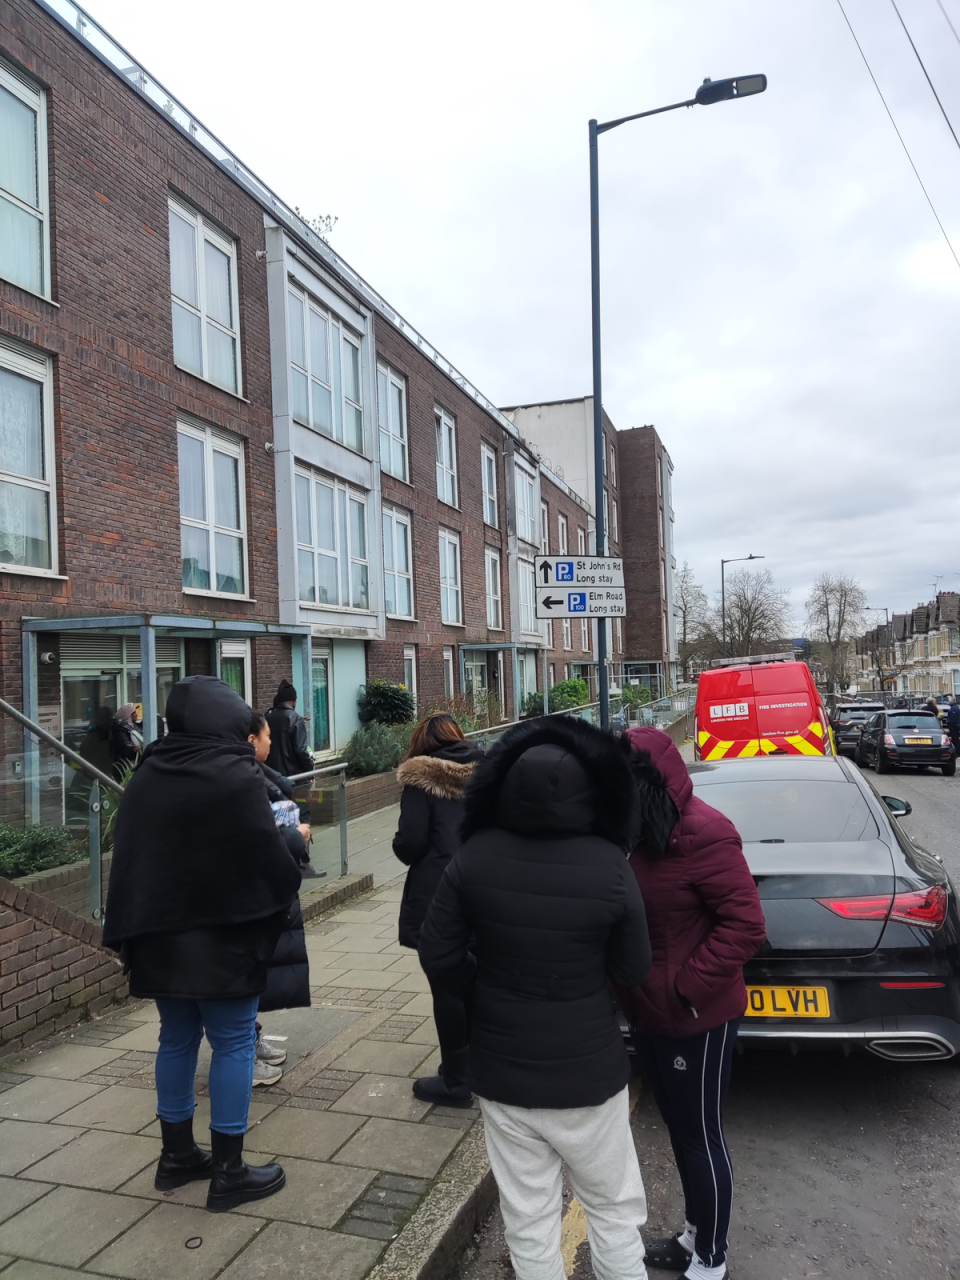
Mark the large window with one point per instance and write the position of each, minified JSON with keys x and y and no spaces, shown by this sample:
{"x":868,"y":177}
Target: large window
{"x":212,"y":517}
{"x":527,"y":596}
{"x":331,"y":543}
{"x":494,"y":603}
{"x":324,"y":372}
{"x":488,"y":470}
{"x":397,"y":563}
{"x":203,"y":281}
{"x":567,"y":636}
{"x":24,"y":236}
{"x":451,"y":609}
{"x":446,"y":457}
{"x":527,"y":523}
{"x":392,"y":418}
{"x":562,"y":535}
{"x":585,"y":635}
{"x":27,"y":507}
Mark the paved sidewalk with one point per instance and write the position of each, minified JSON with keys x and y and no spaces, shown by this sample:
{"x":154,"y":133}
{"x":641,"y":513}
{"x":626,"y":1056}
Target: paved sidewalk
{"x":79,"y":1138}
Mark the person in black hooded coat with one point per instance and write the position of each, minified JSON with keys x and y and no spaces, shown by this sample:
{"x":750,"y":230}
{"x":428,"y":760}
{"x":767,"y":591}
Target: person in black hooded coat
{"x":542,"y":890}
{"x":200,"y":886}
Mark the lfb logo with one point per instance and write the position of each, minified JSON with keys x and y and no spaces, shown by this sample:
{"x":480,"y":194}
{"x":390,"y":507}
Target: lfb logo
{"x":729,"y":710}
{"x":577,"y":601}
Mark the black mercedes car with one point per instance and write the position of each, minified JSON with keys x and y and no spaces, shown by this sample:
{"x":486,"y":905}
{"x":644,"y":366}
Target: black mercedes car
{"x":863,"y":929}
{"x":914,"y":738}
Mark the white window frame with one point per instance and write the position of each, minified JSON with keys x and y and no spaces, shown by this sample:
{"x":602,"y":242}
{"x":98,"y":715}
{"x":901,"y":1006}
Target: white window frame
{"x":585,"y":637}
{"x":206,"y":230}
{"x":37,"y":368}
{"x":392,"y":433}
{"x":614,"y":520}
{"x":345,"y":558}
{"x":526,"y":493}
{"x":238,"y":649}
{"x":551,"y":675}
{"x":493,"y":586}
{"x":450,"y":538}
{"x":449,"y":677}
{"x":581,"y":541}
{"x":35,"y":98}
{"x":544,"y":529}
{"x":548,"y":632}
{"x":397,"y":517}
{"x":618,"y":633}
{"x":527,"y":592}
{"x":563,"y":535}
{"x":217,"y":441}
{"x":488,"y":477}
{"x":410,"y":657}
{"x":613,"y":464}
{"x":606,"y":523}
{"x":334,"y":384}
{"x":446,"y":432}
{"x":567,"y":635}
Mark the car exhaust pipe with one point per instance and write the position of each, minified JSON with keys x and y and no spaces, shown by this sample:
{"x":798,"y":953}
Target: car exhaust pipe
{"x":914,"y":1048}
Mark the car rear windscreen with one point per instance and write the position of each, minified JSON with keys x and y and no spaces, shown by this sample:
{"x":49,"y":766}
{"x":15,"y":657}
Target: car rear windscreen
{"x":925,"y":722}
{"x":793,"y":812}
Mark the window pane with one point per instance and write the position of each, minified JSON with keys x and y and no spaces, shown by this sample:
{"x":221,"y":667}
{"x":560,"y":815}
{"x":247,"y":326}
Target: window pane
{"x":21,"y":425}
{"x":319,"y":364}
{"x":24,"y":526}
{"x":217,"y":284}
{"x":193,"y":500}
{"x":226,"y":490}
{"x":299,"y":383}
{"x":232,"y":673}
{"x":396,"y":411}
{"x":195,"y":557}
{"x":403,"y":547}
{"x":304,"y":521}
{"x":383,"y":408}
{"x":322,"y":408}
{"x":358,"y":530}
{"x":325,"y":532}
{"x":18,"y":148}
{"x":183,"y":259}
{"x":186,"y":340}
{"x":222,"y":354}
{"x":390,"y":592}
{"x":353,"y":430}
{"x":307,"y":586}
{"x":321,"y":706}
{"x":229,"y":563}
{"x":388,"y":561}
{"x":385,"y":453}
{"x":343,"y":546}
{"x":351,"y":371}
{"x":404,"y":600}
{"x":360,"y":594}
{"x":398,"y":459}
{"x":295,"y":317}
{"x":20,"y":247}
{"x":327,"y":592}
{"x":337,"y":397}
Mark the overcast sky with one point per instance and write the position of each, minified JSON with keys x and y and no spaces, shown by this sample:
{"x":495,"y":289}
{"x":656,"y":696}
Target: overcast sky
{"x":777,"y":297}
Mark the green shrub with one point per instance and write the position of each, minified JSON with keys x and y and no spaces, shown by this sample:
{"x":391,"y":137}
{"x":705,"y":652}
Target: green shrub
{"x":569,"y":693}
{"x":635,"y":695}
{"x":401,"y":734}
{"x":25,"y":850}
{"x":462,"y":710}
{"x":384,"y":702}
{"x":372,"y":749}
{"x":532,"y":705}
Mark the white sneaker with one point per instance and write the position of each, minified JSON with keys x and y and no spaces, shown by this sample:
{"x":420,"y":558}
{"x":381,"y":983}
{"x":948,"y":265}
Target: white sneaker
{"x":264,"y":1074}
{"x":268,"y":1050}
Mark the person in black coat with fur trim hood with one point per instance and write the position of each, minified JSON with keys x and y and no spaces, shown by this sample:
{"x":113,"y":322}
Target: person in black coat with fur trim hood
{"x":433,"y":776}
{"x":542,"y":893}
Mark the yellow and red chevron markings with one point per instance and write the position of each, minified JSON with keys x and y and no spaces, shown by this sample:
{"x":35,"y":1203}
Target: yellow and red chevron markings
{"x":808,"y":742}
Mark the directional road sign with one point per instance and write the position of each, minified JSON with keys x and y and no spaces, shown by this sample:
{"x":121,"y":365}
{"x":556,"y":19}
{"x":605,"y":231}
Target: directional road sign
{"x":578,"y":571}
{"x":581,"y":602}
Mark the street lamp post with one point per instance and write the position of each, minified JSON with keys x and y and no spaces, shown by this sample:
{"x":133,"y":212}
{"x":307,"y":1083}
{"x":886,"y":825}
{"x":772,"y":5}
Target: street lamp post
{"x":709,"y":92}
{"x":723,"y":593}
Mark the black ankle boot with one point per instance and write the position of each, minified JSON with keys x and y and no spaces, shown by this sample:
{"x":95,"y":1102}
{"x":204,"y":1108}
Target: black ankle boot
{"x":235,"y":1182}
{"x":449,"y":1088}
{"x":181,"y":1160}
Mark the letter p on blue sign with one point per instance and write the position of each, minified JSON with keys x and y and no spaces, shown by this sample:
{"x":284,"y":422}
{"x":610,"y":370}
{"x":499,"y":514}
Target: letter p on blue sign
{"x":564,"y":570}
{"x":577,"y":601}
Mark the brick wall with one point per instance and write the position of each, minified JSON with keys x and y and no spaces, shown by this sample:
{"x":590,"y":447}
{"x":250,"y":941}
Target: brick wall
{"x":641,"y":510}
{"x":53,"y":972}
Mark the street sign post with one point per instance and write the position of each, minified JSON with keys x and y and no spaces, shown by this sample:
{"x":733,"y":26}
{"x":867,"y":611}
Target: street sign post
{"x":580,"y":587}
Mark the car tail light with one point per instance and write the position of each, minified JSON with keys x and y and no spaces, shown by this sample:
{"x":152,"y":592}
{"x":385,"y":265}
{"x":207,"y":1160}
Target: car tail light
{"x":944,"y":740}
{"x":889,"y":740}
{"x":924,"y":907}
{"x":911,"y":986}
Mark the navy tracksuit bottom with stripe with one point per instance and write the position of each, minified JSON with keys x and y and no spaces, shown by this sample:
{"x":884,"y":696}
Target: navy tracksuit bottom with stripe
{"x":689,"y":1078}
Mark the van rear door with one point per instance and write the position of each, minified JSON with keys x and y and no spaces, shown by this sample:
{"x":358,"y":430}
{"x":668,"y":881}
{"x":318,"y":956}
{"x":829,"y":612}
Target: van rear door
{"x":788,"y":708}
{"x":726,"y":716}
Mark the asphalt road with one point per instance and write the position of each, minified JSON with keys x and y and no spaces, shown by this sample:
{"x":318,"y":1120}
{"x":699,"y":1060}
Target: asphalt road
{"x":846,"y":1168}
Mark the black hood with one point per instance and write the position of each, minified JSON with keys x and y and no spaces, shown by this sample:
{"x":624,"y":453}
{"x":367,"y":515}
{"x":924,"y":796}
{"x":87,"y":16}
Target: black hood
{"x":205,"y":707}
{"x":459,"y":752}
{"x":554,"y":777}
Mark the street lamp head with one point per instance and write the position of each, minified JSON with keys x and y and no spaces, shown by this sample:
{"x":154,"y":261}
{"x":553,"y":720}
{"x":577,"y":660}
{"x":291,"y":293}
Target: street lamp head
{"x":720,"y":90}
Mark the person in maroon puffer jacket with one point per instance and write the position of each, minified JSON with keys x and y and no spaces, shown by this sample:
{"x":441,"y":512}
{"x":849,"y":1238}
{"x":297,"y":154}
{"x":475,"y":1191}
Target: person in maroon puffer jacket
{"x":705,"y":923}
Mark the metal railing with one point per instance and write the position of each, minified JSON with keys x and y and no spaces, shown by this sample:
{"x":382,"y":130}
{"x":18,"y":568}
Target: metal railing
{"x":662,"y":712}
{"x":299,"y":779}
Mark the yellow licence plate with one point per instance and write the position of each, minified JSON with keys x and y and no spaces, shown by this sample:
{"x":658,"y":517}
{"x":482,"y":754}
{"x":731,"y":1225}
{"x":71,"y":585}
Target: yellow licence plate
{"x":788,"y":1002}
{"x":918,"y":742}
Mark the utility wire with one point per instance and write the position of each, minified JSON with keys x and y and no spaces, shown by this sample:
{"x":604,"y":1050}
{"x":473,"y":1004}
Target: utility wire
{"x":927,"y":74}
{"x":949,"y":23}
{"x":899,"y":134}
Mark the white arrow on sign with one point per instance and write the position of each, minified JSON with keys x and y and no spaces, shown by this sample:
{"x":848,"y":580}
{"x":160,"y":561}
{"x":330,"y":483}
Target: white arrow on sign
{"x":581,"y":602}
{"x":578,"y":571}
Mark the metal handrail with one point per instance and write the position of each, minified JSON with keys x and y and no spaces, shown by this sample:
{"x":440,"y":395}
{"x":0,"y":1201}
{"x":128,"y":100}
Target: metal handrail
{"x":68,"y":754}
{"x":509,"y":724}
{"x":316,"y":773}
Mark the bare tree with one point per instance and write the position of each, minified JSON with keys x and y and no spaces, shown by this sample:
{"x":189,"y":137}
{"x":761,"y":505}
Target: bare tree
{"x":758,"y":613}
{"x":691,"y":610}
{"x":835,"y":612}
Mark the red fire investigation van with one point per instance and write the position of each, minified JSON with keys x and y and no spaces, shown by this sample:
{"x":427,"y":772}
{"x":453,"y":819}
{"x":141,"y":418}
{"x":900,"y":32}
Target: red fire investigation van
{"x":761,"y":706}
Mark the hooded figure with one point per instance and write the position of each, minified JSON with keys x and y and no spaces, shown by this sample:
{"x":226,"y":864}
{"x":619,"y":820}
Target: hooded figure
{"x":289,"y":748}
{"x":200,"y":886}
{"x":542,"y":888}
{"x":706,"y":922}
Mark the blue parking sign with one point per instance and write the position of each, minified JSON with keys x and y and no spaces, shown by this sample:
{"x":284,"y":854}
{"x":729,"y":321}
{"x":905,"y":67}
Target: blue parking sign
{"x":577,"y":601}
{"x":564,"y":570}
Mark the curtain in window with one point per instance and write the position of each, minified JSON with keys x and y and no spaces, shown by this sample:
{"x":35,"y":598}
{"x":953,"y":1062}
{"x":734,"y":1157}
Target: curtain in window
{"x":24,"y":526}
{"x":321,"y":705}
{"x":21,"y":426}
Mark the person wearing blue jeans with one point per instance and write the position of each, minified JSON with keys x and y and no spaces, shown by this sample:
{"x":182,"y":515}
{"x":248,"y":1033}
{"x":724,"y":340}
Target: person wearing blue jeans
{"x":201,"y":886}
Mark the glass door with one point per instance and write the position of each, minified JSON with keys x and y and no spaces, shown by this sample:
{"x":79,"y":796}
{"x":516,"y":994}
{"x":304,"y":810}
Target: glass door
{"x":321,"y":704}
{"x":89,"y":704}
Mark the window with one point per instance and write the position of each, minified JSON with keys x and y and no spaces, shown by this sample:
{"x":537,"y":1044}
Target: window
{"x":235,"y":667}
{"x":526,"y":506}
{"x":24,"y":194}
{"x":450,"y":603}
{"x":613,"y":464}
{"x":410,"y":668}
{"x":203,"y":281}
{"x":585,"y":635}
{"x":567,"y":635}
{"x":325,"y":377}
{"x":392,"y":418}
{"x":446,"y":457}
{"x":562,"y":535}
{"x":494,"y":608}
{"x":614,"y":521}
{"x":488,"y":470}
{"x":27,"y":498}
{"x":581,"y":541}
{"x":552,"y":675}
{"x":618,"y":634}
{"x":606,"y":445}
{"x":321,"y":701}
{"x":331,"y":543}
{"x":566,"y":671}
{"x":528,"y":595}
{"x":212,"y":516}
{"x":397,"y":563}
{"x":544,"y":530}
{"x":548,"y":632}
{"x":448,"y":683}
{"x":606,"y":522}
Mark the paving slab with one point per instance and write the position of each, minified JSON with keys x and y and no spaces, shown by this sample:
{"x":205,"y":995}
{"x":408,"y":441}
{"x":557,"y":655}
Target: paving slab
{"x":390,"y":1057}
{"x":193,"y":1194}
{"x":118,"y":1107}
{"x":359,"y":979}
{"x":376,"y":1095}
{"x":23,"y":1269}
{"x":421,"y":1004}
{"x":68,"y":1061}
{"x":16,"y":1195}
{"x":101,"y":1161}
{"x":411,"y":981}
{"x":69,"y":1225}
{"x":23,"y":1143}
{"x":42,"y":1098}
{"x":341,"y":960}
{"x":367,"y":943}
{"x":427,"y":1034}
{"x":316,"y":1194}
{"x":156,"y":1248}
{"x":287,"y":1252}
{"x":399,"y":1147}
{"x":145,"y":1037}
{"x":314,"y":1135}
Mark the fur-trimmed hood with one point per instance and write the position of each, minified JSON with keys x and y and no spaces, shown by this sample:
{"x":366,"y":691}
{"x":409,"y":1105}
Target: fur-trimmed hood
{"x":440,"y":775}
{"x":554,"y":777}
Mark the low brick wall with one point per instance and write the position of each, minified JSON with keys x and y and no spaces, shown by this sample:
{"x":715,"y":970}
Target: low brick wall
{"x":53,"y":971}
{"x":364,"y":795}
{"x":68,"y":887}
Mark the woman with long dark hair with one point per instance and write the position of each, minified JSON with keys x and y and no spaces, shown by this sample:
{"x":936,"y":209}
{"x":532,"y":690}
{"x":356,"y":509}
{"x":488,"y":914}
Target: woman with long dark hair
{"x":433,"y":776}
{"x":705,"y":923}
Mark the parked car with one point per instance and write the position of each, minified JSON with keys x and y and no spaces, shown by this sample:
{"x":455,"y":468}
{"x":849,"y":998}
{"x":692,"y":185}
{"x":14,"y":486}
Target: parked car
{"x":913,"y":738}
{"x":863,"y":928}
{"x":764,"y":708}
{"x":848,"y":721}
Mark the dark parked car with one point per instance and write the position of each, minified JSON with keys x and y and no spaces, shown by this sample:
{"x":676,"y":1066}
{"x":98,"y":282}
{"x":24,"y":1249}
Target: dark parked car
{"x":848,"y":721}
{"x":863,"y":930}
{"x":915,"y":738}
